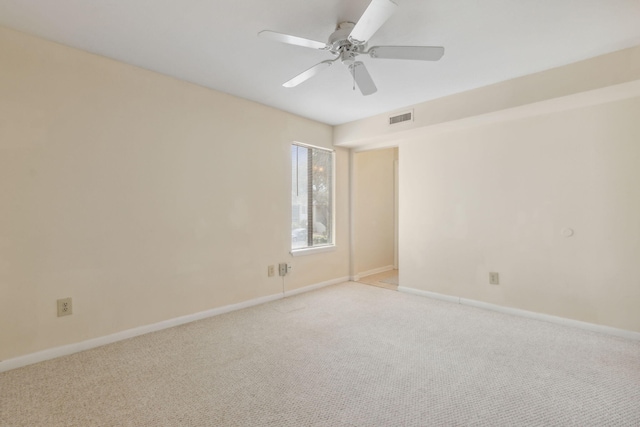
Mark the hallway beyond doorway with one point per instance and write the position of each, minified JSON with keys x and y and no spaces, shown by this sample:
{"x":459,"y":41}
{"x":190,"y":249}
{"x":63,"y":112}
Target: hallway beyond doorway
{"x":386,"y":279}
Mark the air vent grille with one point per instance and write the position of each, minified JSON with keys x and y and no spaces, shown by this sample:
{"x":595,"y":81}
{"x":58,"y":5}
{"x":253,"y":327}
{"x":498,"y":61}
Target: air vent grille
{"x":400,"y":118}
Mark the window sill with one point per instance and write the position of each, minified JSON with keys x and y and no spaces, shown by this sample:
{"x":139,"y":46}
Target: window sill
{"x":311,"y":251}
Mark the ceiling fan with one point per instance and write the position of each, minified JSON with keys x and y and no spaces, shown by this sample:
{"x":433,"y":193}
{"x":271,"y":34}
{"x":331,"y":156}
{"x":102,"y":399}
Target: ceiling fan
{"x":350,"y":40}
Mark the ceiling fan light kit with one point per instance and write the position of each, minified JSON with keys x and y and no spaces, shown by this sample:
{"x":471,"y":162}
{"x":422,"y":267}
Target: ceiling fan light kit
{"x":350,"y":40}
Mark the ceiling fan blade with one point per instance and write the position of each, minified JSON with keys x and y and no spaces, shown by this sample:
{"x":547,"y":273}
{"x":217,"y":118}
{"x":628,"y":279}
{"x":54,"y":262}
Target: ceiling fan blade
{"x":371,"y":20}
{"x":289,"y":39}
{"x":363,"y":78}
{"x":419,"y":53}
{"x":306,"y":75}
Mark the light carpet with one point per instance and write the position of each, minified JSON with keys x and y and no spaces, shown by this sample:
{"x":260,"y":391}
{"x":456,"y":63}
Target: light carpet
{"x":345,"y":355}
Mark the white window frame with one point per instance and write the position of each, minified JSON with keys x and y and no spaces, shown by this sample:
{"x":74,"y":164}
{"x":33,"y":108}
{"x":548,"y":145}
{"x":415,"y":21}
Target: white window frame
{"x":332,"y":245}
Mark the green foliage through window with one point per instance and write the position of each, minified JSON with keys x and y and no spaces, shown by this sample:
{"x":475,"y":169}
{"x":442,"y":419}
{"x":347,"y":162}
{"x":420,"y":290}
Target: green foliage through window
{"x":311,"y":196}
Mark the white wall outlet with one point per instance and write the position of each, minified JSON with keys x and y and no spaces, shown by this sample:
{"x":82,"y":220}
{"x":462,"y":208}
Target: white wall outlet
{"x":282,"y":269}
{"x":65,"y":307}
{"x":271,"y":270}
{"x":494,"y":278}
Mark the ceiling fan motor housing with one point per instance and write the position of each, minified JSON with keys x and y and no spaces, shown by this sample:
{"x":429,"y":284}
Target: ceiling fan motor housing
{"x":339,"y":42}
{"x":347,"y":57}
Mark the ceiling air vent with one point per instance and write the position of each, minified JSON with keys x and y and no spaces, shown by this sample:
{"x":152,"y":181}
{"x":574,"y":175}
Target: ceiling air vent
{"x":400,"y":118}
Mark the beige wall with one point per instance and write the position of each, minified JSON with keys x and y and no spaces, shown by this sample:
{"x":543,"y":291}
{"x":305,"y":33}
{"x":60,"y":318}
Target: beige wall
{"x":496,"y":198}
{"x":618,"y":71}
{"x":374,"y":209}
{"x":140,"y":196}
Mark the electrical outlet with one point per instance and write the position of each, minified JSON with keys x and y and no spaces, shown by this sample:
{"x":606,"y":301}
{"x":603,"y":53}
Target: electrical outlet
{"x":282,"y":269}
{"x":64,"y":307}
{"x":271,"y":270}
{"x":494,"y":278}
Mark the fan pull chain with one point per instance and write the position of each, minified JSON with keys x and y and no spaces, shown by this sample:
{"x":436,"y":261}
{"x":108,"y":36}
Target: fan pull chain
{"x":354,"y":77}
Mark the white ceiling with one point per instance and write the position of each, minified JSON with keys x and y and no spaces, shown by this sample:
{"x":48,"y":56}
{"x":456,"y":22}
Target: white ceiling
{"x":214,"y":43}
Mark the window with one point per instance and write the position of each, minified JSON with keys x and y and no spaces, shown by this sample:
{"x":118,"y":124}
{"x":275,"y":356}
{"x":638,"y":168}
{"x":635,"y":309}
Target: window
{"x":311,"y":197}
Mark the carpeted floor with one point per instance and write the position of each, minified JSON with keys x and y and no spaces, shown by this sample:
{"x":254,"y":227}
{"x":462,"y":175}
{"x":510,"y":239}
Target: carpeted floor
{"x":345,"y":355}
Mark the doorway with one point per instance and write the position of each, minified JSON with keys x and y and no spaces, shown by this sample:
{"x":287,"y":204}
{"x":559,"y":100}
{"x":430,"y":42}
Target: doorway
{"x":375,"y":217}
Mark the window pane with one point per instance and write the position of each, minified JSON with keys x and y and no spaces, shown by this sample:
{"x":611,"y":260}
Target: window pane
{"x":299,"y":196}
{"x":311,"y":197}
{"x":321,"y":184}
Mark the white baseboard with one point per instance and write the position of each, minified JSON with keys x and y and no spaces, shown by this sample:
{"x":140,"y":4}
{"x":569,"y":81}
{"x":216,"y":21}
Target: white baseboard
{"x":623,"y":333}
{"x":428,"y":294}
{"x":370,"y":272}
{"x":316,"y":286}
{"x":65,"y":350}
